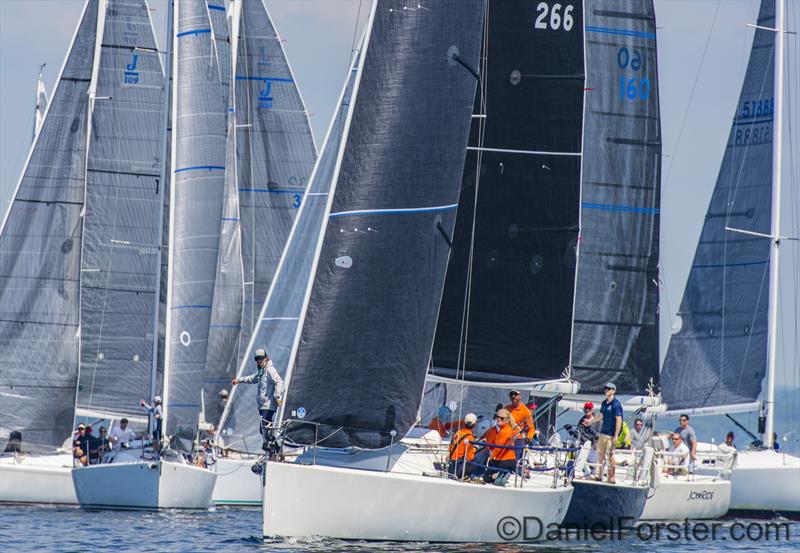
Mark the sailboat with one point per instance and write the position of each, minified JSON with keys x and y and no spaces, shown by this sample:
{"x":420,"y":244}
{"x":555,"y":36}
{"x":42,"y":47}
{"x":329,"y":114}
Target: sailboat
{"x":40,"y":261}
{"x":41,"y":102}
{"x":162,"y":477}
{"x":270,"y":155}
{"x":725,"y":340}
{"x":362,"y":345}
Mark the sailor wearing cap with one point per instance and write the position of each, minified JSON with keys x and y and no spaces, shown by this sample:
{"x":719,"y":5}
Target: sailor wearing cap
{"x":461,"y":449}
{"x":156,"y":412}
{"x":611,"y":414}
{"x":270,"y":387}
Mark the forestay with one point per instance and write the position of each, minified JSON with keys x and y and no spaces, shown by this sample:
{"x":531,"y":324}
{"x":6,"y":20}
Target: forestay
{"x":365,"y":337}
{"x":197,"y":192}
{"x":718,"y":352}
{"x":615,"y":335}
{"x":506,"y":314}
{"x":119,"y":265}
{"x":40,"y":239}
{"x":279,"y":317}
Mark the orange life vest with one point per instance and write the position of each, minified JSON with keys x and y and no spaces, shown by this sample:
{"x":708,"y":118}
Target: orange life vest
{"x":523,"y":418}
{"x":461,"y":445}
{"x":505,"y":436}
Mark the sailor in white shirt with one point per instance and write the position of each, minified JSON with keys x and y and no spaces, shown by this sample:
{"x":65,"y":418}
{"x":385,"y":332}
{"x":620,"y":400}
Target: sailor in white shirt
{"x":121,"y":435}
{"x":677,"y":456}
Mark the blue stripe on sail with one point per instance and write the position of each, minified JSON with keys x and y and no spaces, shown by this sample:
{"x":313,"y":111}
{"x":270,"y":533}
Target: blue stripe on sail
{"x":208,"y":167}
{"x":623,"y":208}
{"x":623,"y":32}
{"x":195,"y":32}
{"x":752,"y":121}
{"x":230,"y":218}
{"x":264,"y":79}
{"x":215,"y":7}
{"x":274,"y":190}
{"x":191,"y":307}
{"x":394,"y":211}
{"x":744,"y":264}
{"x":184,"y":405}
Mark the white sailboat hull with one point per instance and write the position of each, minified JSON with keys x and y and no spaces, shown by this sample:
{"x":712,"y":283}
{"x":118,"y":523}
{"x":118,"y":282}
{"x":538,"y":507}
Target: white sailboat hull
{"x":766,"y":482}
{"x":37,"y":479}
{"x":695,"y":498}
{"x":237,"y":484}
{"x":304,"y":501}
{"x":144,"y":485}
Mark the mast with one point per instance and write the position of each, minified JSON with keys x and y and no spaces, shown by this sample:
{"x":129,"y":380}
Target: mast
{"x":164,"y":151}
{"x":102,"y":6}
{"x":774,"y":269}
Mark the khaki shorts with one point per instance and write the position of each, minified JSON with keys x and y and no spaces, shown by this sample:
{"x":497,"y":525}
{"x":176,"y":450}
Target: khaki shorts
{"x":605,"y":447}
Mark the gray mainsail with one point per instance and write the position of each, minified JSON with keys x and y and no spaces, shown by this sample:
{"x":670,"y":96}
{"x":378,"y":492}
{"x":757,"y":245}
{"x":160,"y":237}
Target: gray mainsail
{"x":120,"y":262}
{"x":277,"y":324}
{"x":40,"y":239}
{"x":615,"y":331}
{"x":363,"y":344}
{"x":222,"y":354}
{"x":275,"y":152}
{"x":196,"y":201}
{"x":718,"y":355}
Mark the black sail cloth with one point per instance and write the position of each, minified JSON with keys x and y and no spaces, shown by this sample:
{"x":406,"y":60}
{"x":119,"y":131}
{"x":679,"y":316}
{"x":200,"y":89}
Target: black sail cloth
{"x":366,"y":338}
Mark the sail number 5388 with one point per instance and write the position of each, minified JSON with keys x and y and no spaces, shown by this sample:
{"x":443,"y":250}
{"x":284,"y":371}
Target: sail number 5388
{"x":557,"y":21}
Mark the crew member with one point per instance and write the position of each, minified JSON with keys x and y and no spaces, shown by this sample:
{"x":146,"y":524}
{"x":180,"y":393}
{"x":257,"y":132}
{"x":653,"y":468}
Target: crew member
{"x":270,"y":388}
{"x":503,"y":458}
{"x":611,"y":415}
{"x":522,"y":421}
{"x":461,"y":449}
{"x":157,"y":413}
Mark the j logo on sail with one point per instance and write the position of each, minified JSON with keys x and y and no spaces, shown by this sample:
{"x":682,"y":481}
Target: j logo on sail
{"x":264,"y":99}
{"x":131,"y":76}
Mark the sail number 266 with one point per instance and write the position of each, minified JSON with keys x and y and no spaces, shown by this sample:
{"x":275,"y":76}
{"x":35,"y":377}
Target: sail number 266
{"x":558,"y":19}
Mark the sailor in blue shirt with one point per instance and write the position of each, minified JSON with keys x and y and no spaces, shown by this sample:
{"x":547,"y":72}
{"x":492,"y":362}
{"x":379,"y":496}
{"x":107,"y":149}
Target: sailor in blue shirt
{"x":611,"y":415}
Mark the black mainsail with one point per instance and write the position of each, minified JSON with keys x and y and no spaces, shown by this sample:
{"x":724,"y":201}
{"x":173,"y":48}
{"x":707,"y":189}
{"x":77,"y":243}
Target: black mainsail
{"x":615,"y":335}
{"x":364,"y":342}
{"x":718,"y":355}
{"x":523,"y":172}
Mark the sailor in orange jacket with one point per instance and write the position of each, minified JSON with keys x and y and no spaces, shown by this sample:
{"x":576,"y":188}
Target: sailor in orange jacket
{"x":523,"y":421}
{"x":502,"y":458}
{"x":461,"y":449}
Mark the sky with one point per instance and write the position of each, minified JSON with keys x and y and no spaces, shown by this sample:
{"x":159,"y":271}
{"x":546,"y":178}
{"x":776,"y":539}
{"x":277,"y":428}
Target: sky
{"x":703,"y":47}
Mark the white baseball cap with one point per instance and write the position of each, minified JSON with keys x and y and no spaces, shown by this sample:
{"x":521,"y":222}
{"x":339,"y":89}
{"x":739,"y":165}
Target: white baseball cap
{"x":470,"y":419}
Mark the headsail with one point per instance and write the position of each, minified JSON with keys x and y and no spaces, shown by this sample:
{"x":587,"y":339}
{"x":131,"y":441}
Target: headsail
{"x":40,"y":239}
{"x":275,"y":152}
{"x":512,"y":319}
{"x":718,"y":354}
{"x":41,"y":102}
{"x":119,"y":264}
{"x":364,"y":340}
{"x":277,"y":324}
{"x":197,"y":190}
{"x":224,"y":332}
{"x":615,"y":334}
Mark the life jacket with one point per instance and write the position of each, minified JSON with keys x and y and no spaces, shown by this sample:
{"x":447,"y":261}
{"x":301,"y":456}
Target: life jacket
{"x":461,"y":445}
{"x":505,"y":436}
{"x":624,"y":439}
{"x":523,"y":418}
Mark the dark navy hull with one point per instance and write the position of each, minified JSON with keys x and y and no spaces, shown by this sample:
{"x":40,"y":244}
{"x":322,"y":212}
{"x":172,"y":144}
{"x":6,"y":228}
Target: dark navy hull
{"x":609,"y":505}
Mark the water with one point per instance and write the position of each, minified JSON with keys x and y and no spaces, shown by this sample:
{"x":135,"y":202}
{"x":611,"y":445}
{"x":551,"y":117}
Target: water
{"x":68,"y":529}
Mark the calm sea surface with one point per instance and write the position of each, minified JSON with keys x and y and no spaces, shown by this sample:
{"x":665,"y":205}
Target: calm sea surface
{"x":72,"y":529}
